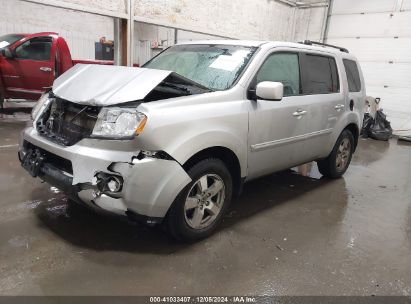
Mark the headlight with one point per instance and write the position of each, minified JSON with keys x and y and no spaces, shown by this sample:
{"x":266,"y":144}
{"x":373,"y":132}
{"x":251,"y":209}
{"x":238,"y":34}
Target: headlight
{"x":119,"y":123}
{"x":41,"y":104}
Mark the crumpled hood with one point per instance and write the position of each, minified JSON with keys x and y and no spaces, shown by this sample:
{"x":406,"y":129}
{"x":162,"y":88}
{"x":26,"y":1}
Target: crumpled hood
{"x":103,"y":85}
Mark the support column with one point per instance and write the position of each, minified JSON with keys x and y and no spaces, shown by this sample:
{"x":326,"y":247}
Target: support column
{"x":117,"y":41}
{"x":130,"y":33}
{"x":124,"y":38}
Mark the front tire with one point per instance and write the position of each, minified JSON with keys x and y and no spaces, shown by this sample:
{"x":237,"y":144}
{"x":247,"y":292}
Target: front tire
{"x":335,"y":165}
{"x":200,"y":206}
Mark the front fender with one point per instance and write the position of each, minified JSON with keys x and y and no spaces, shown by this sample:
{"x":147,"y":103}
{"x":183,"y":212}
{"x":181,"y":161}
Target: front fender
{"x":194,"y":144}
{"x":184,"y":132}
{"x":151,"y":185}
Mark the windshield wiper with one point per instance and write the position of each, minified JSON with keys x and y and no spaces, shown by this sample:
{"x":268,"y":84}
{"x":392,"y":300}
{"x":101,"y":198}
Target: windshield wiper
{"x":179,"y":87}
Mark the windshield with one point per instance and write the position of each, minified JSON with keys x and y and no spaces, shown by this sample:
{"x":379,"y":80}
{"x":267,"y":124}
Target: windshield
{"x":216,"y":67}
{"x":9,"y":39}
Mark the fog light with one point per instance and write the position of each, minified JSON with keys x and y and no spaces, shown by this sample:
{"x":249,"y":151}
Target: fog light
{"x":107,"y":183}
{"x":114,"y":185}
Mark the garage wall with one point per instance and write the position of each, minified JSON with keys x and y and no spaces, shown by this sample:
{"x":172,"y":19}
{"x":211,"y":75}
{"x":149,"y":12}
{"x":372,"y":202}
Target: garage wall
{"x":242,"y":19}
{"x":81,"y":30}
{"x":254,"y":20}
{"x":309,"y":23}
{"x":378,"y":32}
{"x":259,"y":19}
{"x":106,"y":7}
{"x":149,"y":40}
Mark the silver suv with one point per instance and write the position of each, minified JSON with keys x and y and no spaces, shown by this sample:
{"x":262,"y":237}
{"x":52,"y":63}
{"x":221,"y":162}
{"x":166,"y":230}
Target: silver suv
{"x":172,"y":142}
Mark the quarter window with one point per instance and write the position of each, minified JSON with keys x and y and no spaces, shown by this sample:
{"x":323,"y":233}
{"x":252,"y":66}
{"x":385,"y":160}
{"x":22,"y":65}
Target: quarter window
{"x":321,"y":75}
{"x":35,"y":49}
{"x":284,"y":68}
{"x":353,"y":76}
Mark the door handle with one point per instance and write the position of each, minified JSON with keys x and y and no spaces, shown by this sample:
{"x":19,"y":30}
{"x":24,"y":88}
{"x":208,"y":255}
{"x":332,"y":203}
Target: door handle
{"x":339,"y":107}
{"x":299,"y":113}
{"x":45,"y":69}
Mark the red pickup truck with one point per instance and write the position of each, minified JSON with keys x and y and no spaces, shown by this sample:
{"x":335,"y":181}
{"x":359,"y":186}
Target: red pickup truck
{"x":29,"y":63}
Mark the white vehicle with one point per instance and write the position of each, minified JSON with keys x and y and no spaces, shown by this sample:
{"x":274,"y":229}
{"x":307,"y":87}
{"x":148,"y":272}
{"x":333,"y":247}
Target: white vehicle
{"x":172,"y":142}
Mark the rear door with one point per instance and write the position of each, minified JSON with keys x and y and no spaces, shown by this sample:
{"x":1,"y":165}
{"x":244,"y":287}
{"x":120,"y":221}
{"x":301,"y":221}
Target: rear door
{"x":326,"y":105}
{"x":31,"y":69}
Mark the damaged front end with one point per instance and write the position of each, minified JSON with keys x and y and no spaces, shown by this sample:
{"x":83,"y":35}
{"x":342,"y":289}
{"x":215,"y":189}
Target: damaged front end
{"x":66,"y":123}
{"x":83,"y":143}
{"x":121,"y":182}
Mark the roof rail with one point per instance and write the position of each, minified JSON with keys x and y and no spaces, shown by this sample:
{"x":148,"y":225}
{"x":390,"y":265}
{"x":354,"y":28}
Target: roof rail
{"x":309,"y":42}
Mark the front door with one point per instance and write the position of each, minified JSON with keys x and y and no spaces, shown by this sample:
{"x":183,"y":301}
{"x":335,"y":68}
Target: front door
{"x":31,"y":69}
{"x":277,"y":128}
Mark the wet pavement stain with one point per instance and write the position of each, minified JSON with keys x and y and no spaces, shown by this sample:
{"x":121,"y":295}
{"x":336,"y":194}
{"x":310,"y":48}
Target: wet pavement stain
{"x":287,"y":234}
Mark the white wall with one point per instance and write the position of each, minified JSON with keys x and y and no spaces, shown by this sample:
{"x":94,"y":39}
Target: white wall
{"x":243,"y":19}
{"x":257,"y":19}
{"x":80,"y":30}
{"x":309,"y":23}
{"x":104,"y":7}
{"x":254,"y":20}
{"x":145,"y":35}
{"x":378,"y":32}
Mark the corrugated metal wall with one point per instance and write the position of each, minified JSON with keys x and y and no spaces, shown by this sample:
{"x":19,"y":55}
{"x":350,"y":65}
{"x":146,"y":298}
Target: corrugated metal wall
{"x":378,"y":32}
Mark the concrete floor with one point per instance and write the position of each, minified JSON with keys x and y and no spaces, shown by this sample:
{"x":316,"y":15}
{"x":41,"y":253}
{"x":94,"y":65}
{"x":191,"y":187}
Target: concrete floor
{"x":286,"y":235}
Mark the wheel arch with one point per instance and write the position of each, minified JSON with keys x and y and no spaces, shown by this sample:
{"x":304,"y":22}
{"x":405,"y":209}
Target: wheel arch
{"x":353,"y":128}
{"x":227,"y":156}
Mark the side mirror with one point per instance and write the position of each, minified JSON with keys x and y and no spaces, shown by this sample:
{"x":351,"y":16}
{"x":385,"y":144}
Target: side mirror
{"x":7,"y":53}
{"x":269,"y":90}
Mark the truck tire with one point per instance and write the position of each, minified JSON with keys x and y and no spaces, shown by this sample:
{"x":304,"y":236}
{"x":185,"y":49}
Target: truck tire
{"x":335,"y":165}
{"x":200,"y":206}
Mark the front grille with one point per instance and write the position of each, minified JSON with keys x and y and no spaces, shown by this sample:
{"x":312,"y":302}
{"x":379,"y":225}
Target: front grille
{"x":67,"y":123}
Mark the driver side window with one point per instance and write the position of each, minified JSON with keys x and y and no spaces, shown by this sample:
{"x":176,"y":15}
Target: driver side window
{"x":35,"y":49}
{"x":284,"y":68}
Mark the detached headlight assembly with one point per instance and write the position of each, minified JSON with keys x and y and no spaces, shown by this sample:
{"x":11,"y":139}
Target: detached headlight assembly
{"x":119,"y":123}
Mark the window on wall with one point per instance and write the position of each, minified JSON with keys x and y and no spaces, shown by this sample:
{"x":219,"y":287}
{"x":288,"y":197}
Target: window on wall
{"x":321,"y":76}
{"x":353,"y":76}
{"x":284,"y":68}
{"x":35,"y":49}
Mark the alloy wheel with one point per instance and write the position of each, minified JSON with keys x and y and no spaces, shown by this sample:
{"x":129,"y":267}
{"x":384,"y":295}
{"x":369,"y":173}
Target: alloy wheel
{"x":204,"y":201}
{"x":343,"y":154}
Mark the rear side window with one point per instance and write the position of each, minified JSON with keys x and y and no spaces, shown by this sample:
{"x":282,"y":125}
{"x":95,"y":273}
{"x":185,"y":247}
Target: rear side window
{"x":353,"y":76}
{"x":35,"y":49}
{"x":284,"y":68}
{"x":321,"y":76}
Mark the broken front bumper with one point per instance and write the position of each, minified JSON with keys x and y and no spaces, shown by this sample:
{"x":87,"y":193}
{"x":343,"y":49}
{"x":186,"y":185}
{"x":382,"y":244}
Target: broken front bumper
{"x":149,"y":185}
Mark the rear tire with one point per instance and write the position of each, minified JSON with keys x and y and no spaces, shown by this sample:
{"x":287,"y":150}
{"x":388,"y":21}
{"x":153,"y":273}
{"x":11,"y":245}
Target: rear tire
{"x":200,"y":206}
{"x":335,"y":165}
